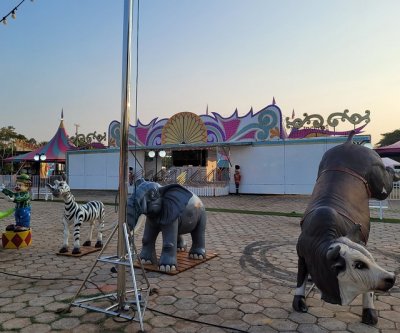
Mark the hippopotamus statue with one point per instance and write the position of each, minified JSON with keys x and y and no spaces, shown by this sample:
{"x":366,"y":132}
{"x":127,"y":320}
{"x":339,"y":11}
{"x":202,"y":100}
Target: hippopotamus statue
{"x":335,"y":228}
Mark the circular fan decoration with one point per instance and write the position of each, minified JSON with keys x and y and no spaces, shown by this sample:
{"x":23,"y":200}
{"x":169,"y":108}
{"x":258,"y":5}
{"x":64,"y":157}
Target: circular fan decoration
{"x":184,"y":127}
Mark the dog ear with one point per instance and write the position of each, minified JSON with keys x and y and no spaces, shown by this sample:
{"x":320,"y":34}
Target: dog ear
{"x":335,"y":260}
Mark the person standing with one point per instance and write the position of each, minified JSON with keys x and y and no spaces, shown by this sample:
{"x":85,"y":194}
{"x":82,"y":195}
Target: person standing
{"x":237,"y":178}
{"x":131,"y":176}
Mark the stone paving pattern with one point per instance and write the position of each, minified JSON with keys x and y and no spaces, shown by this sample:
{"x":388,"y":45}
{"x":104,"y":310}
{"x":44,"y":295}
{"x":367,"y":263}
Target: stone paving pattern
{"x":248,"y":287}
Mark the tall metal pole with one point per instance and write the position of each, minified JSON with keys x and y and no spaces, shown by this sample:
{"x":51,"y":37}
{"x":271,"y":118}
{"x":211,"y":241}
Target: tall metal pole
{"x":123,"y":156}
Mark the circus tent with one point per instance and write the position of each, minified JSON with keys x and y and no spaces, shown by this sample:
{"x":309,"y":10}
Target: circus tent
{"x":394,"y":149}
{"x":54,"y":150}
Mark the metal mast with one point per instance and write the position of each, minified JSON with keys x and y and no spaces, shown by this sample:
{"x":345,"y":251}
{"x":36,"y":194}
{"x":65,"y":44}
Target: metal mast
{"x":123,"y":156}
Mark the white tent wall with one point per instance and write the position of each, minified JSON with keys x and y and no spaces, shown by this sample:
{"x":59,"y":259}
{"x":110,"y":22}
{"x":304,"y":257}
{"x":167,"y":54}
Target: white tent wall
{"x":277,"y":167}
{"x":281,"y":167}
{"x":96,"y":170}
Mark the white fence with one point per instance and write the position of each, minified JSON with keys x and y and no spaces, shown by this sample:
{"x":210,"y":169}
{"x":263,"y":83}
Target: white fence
{"x":9,"y":182}
{"x":38,"y":189}
{"x":209,"y":190}
{"x":395,"y":195}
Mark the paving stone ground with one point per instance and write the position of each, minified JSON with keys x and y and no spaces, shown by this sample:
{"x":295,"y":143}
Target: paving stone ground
{"x":248,"y":287}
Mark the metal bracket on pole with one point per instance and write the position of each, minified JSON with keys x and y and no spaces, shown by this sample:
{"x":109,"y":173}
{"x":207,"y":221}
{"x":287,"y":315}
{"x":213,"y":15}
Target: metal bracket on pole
{"x":131,"y":309}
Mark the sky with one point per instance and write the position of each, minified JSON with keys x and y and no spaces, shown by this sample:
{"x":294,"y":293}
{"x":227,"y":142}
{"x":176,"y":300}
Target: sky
{"x":312,"y":56}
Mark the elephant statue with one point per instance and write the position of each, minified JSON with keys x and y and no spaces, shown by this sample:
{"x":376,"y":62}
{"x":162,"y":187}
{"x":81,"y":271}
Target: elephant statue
{"x":172,"y":210}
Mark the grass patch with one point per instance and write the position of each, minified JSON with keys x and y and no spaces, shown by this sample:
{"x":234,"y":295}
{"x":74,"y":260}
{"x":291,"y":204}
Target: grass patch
{"x":253,"y":212}
{"x":291,"y":214}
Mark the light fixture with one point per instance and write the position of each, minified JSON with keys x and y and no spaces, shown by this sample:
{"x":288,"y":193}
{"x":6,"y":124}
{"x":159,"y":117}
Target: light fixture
{"x":40,"y":157}
{"x":152,"y":153}
{"x":162,"y":153}
{"x":13,"y":14}
{"x":5,"y":20}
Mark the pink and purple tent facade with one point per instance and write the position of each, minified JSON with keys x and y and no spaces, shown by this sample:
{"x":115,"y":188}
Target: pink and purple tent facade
{"x":55,"y":149}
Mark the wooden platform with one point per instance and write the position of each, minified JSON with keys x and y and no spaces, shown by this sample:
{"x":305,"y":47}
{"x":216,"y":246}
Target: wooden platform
{"x":183,"y":261}
{"x":84,"y":250}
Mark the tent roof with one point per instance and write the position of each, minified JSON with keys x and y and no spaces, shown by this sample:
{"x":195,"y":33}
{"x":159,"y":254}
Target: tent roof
{"x":389,"y":162}
{"x":54,"y":150}
{"x":393,"y":148}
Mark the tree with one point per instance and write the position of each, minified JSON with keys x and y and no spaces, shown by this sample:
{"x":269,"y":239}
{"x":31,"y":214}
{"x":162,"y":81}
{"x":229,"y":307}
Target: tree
{"x":389,"y":138}
{"x":8,"y":135}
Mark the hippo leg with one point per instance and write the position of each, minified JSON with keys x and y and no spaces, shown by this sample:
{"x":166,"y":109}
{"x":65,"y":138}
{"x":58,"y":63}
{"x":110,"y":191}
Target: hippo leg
{"x":299,"y":300}
{"x":369,"y":314}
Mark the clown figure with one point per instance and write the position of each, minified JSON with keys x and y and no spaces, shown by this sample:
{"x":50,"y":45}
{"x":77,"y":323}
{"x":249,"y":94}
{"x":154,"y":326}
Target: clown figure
{"x":21,"y":197}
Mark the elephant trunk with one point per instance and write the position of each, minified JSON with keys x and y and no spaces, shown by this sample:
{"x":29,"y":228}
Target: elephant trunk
{"x":133,"y":212}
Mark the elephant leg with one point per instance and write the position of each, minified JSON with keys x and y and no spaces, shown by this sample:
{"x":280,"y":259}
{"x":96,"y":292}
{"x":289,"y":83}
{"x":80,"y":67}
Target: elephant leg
{"x":148,"y":253}
{"x":299,"y":300}
{"x":198,"y":249}
{"x":182,"y":245}
{"x":168,"y":255}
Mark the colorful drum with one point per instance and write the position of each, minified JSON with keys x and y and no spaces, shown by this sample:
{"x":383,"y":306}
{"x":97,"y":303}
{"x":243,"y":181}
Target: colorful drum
{"x":16,"y":240}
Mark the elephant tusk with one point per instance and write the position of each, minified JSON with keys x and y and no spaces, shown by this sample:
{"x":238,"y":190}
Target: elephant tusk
{"x":140,"y":221}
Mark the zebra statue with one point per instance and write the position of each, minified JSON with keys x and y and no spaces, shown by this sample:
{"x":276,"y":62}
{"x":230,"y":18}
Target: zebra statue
{"x":73,"y":212}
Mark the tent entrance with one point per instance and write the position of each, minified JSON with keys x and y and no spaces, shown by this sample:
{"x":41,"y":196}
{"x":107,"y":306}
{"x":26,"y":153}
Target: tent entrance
{"x":189,"y":157}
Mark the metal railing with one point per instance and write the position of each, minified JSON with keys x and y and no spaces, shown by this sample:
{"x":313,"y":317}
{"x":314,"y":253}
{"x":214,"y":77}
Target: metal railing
{"x":10,"y":180}
{"x":194,"y":176}
{"x":395,"y":194}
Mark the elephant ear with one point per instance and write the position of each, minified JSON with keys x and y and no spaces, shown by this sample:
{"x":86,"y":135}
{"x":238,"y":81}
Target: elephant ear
{"x":174,"y":200}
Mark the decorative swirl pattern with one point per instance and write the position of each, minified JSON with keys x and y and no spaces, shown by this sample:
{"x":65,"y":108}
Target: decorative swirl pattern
{"x":267,"y":120}
{"x":298,"y":122}
{"x":214,"y":133}
{"x":354,"y":119}
{"x":81,"y":140}
{"x":114,"y":135}
{"x":265,"y":124}
{"x":154,"y":136}
{"x":332,"y":120}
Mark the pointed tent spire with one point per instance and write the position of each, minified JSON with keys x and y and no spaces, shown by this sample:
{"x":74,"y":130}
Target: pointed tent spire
{"x":62,"y":114}
{"x":273,"y":100}
{"x":207,"y":110}
{"x":251,"y":109}
{"x":293,"y":114}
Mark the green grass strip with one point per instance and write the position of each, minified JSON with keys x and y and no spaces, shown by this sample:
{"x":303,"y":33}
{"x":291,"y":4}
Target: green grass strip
{"x":260,"y":212}
{"x":291,"y":214}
